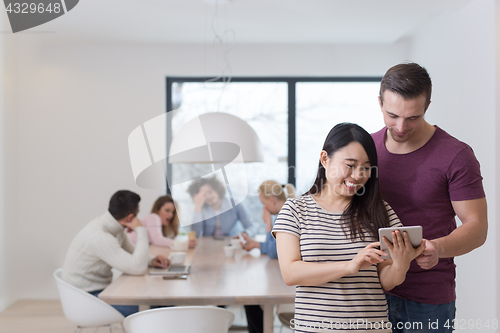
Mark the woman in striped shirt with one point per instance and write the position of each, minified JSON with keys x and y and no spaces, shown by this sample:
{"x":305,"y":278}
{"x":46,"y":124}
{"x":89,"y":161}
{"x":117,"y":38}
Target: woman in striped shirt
{"x":327,"y":241}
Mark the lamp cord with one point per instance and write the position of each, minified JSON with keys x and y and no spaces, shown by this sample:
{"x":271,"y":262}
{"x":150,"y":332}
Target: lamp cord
{"x":222,"y":45}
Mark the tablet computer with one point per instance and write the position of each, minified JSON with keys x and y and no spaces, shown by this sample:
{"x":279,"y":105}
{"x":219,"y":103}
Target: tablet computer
{"x":414,"y":232}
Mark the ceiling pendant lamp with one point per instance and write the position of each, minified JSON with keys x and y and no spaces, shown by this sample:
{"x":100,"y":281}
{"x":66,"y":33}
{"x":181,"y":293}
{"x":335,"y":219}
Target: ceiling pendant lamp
{"x":216,"y":137}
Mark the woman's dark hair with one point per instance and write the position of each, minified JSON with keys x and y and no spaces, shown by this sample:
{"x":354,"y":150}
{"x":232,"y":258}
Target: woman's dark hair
{"x":214,"y":183}
{"x":173,"y":228}
{"x":367,"y":209}
{"x":123,"y":203}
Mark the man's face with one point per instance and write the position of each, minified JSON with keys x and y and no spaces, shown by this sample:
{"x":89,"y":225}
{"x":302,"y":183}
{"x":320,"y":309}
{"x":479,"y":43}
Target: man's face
{"x":403,"y":118}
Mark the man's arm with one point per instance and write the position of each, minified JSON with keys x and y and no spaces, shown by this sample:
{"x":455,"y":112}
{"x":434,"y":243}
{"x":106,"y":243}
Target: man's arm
{"x":109,"y":250}
{"x":128,"y":245}
{"x":467,"y":237}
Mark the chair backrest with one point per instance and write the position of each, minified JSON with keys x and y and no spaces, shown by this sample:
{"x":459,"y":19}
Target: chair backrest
{"x":286,"y":312}
{"x":286,"y":308}
{"x":84,"y":309}
{"x":185,"y":319}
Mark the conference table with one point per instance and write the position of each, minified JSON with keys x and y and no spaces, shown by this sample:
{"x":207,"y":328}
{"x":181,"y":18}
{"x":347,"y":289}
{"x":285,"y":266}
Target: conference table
{"x":245,"y":279}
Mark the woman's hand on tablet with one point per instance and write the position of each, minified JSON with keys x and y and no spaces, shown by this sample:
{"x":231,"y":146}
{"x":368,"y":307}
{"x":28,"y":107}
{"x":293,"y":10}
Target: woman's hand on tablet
{"x":402,"y":252}
{"x":366,"y":257}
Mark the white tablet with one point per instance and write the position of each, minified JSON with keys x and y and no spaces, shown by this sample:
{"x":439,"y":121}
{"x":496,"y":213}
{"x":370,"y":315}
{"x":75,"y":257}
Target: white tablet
{"x":415,"y":234}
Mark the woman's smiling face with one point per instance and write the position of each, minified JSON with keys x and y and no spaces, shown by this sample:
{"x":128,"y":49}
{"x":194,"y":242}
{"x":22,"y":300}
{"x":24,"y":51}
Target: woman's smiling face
{"x":347,"y":170}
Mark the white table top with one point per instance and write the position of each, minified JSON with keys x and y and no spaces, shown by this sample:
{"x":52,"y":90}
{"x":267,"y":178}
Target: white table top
{"x":214,"y":279}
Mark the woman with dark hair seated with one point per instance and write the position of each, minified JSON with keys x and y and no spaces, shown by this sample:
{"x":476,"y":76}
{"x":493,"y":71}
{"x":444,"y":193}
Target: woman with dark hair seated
{"x":214,"y":213}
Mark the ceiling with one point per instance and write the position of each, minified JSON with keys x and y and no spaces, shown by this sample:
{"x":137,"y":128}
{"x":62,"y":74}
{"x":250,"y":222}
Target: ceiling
{"x":249,"y":21}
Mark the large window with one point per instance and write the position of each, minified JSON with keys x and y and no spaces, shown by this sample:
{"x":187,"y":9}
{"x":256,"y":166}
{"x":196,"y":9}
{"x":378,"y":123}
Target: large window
{"x":321,"y":105}
{"x":291,"y":116}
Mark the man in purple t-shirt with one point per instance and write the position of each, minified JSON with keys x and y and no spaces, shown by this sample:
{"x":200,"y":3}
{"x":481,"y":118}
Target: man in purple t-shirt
{"x":428,"y":177}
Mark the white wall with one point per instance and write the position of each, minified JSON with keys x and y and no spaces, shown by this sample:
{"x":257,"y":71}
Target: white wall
{"x":77,"y":104}
{"x":4,"y":298}
{"x":458,"y":50}
{"x":9,"y":288}
{"x":497,"y":138}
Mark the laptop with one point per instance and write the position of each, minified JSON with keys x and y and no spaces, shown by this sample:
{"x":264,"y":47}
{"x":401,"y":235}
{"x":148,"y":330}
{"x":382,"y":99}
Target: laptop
{"x":175,"y":270}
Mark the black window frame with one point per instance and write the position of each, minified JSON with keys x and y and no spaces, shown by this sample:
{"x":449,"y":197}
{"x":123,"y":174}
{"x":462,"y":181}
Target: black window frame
{"x":290,"y":81}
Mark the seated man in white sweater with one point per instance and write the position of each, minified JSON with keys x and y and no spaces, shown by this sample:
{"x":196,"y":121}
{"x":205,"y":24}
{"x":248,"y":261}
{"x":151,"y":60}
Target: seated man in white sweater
{"x":102,"y":245}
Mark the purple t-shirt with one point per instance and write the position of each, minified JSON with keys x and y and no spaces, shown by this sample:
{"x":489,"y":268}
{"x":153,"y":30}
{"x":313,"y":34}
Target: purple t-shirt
{"x":420,"y":187}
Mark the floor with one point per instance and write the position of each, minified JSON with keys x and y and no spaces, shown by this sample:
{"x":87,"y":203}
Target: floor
{"x":46,"y":316}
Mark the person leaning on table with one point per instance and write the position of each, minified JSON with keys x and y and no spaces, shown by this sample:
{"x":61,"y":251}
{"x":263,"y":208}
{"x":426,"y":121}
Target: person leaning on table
{"x":273,"y":196}
{"x":102,"y":245}
{"x":214,"y":213}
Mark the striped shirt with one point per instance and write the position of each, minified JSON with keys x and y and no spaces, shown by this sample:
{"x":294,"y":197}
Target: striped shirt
{"x":353,"y":302}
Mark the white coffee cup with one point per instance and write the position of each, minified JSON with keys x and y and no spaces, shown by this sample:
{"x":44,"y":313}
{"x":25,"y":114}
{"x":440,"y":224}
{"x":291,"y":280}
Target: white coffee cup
{"x":180,"y":245}
{"x":229,"y":251}
{"x":236,"y":243}
{"x":177,"y":258}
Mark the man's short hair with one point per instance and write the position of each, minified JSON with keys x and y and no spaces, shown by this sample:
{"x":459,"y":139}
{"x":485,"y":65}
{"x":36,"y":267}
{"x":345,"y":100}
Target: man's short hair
{"x":408,"y":80}
{"x":214,"y":183}
{"x":123,"y":203}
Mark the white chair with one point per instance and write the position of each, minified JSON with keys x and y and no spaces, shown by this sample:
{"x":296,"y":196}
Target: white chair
{"x":185,"y":319}
{"x":285,"y":312}
{"x":83,"y":309}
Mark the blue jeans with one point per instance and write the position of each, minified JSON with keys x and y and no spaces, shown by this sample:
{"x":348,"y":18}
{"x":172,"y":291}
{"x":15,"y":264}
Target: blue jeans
{"x":409,"y":316}
{"x":125,"y":310}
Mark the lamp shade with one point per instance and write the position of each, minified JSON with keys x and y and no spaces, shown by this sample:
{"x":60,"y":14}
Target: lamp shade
{"x":216,"y":137}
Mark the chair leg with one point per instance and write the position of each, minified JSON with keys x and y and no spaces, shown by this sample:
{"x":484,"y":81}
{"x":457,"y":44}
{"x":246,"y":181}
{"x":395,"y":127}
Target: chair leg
{"x":110,"y":329}
{"x":123,"y":328}
{"x":77,"y":329}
